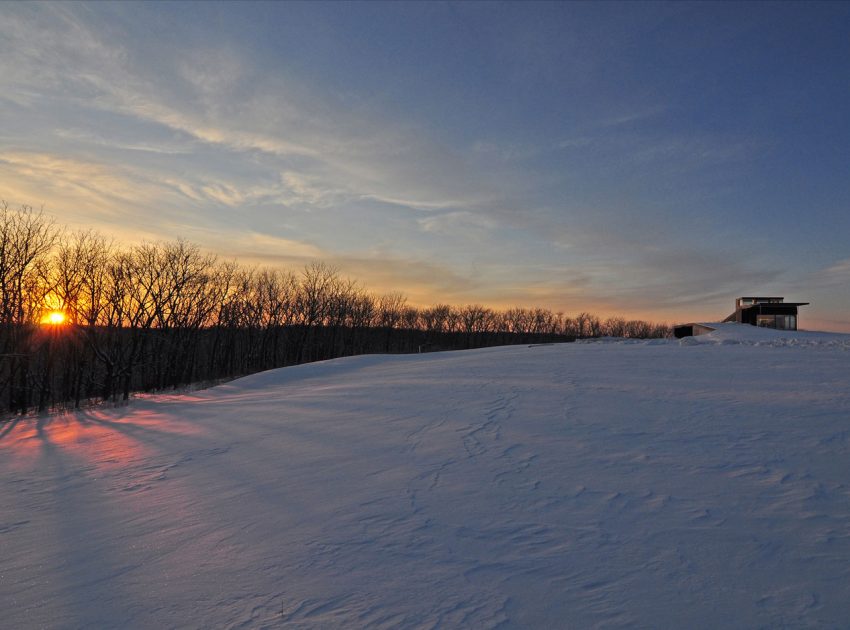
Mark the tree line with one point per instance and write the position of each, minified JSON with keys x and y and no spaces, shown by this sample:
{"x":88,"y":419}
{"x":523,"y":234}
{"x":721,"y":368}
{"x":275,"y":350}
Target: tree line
{"x":162,"y":315}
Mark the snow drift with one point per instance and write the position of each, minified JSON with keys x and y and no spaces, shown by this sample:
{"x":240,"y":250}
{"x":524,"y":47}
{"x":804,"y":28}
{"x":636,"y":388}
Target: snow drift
{"x":693,"y":483}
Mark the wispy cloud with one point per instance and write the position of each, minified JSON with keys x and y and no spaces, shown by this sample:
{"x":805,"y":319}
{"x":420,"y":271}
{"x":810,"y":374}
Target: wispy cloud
{"x":454,"y":222}
{"x":629,"y":117}
{"x":78,"y":178}
{"x":90,"y":138}
{"x":838,"y":272}
{"x":364,"y":157}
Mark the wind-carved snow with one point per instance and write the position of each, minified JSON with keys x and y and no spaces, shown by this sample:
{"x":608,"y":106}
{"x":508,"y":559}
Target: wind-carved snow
{"x":578,"y":485}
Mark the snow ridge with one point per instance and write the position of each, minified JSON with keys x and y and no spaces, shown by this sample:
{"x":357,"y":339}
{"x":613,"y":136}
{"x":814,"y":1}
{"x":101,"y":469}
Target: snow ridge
{"x":615,"y":483}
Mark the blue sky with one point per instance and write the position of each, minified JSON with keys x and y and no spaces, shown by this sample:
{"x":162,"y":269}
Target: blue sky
{"x":651,"y":160}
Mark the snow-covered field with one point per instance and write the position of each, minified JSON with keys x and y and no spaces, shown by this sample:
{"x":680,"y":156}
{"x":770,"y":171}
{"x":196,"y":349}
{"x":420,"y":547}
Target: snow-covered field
{"x":701,"y":483}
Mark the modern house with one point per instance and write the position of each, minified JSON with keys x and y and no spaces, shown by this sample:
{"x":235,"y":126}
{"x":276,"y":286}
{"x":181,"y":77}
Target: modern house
{"x":767,"y":312}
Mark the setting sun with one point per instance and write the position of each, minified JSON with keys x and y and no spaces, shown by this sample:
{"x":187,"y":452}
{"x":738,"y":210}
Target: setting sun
{"x":54,"y":317}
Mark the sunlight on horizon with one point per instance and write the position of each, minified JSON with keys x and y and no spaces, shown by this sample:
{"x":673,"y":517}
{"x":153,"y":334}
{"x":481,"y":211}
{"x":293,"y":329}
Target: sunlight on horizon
{"x":54,"y":318}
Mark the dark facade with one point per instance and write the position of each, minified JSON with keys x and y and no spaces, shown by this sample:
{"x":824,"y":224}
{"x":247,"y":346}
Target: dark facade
{"x":768,"y":312}
{"x":690,"y":330}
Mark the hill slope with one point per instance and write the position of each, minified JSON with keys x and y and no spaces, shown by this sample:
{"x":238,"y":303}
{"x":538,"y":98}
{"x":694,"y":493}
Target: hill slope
{"x":644,"y":484}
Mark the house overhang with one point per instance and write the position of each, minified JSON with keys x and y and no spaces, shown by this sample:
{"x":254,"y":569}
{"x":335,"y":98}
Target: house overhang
{"x":774,"y":305}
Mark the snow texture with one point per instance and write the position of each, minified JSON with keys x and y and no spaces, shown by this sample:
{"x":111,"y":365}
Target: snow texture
{"x":697,"y":483}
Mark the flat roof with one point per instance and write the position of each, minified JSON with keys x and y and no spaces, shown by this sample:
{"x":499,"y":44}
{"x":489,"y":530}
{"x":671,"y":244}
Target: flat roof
{"x":775,"y":304}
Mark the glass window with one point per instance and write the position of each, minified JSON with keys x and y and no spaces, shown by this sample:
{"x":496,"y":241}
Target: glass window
{"x":766,"y":321}
{"x":786,"y":322}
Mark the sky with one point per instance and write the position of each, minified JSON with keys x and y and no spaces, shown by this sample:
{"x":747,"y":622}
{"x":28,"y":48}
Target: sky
{"x":639,"y":159}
